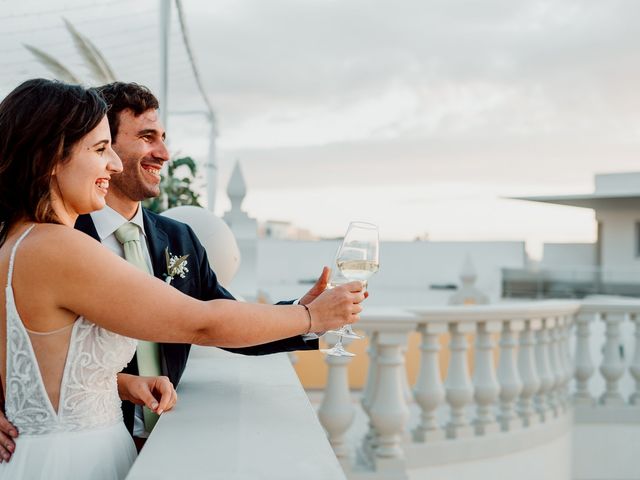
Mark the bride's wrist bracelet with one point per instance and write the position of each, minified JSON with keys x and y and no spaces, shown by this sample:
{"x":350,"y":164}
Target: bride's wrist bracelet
{"x":308,"y":315}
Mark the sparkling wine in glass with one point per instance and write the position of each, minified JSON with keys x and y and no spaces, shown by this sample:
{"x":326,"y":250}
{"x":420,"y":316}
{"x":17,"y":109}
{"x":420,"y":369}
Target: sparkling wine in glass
{"x":357,"y":259}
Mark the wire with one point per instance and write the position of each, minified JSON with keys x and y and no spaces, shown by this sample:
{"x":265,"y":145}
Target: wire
{"x":63,"y":10}
{"x":187,"y":46}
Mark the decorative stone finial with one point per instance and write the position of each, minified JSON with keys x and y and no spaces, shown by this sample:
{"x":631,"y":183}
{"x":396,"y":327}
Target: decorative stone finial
{"x":468,"y":273}
{"x":468,"y":293}
{"x":237,"y":188}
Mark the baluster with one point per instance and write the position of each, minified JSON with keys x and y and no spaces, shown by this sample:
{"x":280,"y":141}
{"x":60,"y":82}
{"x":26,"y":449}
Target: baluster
{"x":459,"y":391}
{"x":510,"y":383}
{"x":612,"y":367}
{"x":369,"y":439}
{"x":552,"y":394}
{"x":584,"y":363}
{"x":406,"y":387}
{"x":528,"y":372}
{"x":565,"y":352}
{"x":429,"y":391}
{"x":336,"y":411}
{"x":389,"y":412}
{"x":485,"y":383}
{"x":544,"y":371}
{"x":635,"y":363}
{"x":561,"y":370}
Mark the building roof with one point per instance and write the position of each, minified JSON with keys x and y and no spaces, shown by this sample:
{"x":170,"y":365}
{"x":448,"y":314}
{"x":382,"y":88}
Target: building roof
{"x":593,"y":200}
{"x":612,"y":190}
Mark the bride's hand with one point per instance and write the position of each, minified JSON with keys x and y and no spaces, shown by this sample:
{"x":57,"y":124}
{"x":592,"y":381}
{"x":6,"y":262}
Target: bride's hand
{"x":156,"y":393}
{"x":7,"y":433}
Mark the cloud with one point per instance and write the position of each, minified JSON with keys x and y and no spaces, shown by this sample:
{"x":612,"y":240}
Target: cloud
{"x":524,"y":97}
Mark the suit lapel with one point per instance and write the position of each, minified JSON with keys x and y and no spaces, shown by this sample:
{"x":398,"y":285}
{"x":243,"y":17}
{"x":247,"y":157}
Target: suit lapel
{"x":85,"y":224}
{"x":158,"y":241}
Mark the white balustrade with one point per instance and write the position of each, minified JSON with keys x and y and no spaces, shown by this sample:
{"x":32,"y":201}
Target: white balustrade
{"x":458,"y":387}
{"x":528,"y":371}
{"x":336,"y":410}
{"x":634,"y":369}
{"x":369,"y":439}
{"x":510,"y":383}
{"x":485,"y":383}
{"x":530,"y":385}
{"x":567,"y":361}
{"x":554,"y":366}
{"x":429,"y":391}
{"x":557,"y":361}
{"x":584,"y":368}
{"x":612,"y":367}
{"x":389,"y":412}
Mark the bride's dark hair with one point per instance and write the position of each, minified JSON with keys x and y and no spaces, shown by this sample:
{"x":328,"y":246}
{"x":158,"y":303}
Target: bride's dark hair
{"x":40,"y":122}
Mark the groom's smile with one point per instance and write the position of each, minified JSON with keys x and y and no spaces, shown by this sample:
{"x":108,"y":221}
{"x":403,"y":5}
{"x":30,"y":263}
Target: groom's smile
{"x":140,"y":144}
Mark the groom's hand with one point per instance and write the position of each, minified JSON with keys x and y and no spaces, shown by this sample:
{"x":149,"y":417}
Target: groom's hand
{"x":155,"y":393}
{"x":319,"y":287}
{"x":7,"y":433}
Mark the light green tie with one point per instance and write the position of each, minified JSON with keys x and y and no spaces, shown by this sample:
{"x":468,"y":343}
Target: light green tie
{"x":148,"y":353}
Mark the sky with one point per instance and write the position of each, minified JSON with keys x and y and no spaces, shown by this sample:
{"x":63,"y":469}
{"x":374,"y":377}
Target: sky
{"x":420,"y":115}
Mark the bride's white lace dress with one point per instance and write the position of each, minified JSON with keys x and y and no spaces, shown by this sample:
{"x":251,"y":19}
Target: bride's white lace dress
{"x":85,"y":438}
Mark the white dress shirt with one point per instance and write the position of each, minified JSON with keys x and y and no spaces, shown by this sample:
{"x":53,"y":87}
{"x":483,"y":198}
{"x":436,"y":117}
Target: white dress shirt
{"x":107,"y":221}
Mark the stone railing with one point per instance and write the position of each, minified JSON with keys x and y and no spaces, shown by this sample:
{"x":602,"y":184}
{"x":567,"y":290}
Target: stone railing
{"x":607,"y":353}
{"x":238,"y":417}
{"x":518,"y":396}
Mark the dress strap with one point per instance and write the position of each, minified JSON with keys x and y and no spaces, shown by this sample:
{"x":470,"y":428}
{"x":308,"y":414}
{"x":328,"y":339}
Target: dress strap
{"x":13,"y":254}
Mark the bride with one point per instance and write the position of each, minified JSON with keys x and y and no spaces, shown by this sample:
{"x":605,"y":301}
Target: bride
{"x":72,"y":308}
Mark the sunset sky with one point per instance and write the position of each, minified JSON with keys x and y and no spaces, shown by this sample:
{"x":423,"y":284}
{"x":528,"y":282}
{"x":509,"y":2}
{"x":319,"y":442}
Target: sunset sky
{"x":419,"y":115}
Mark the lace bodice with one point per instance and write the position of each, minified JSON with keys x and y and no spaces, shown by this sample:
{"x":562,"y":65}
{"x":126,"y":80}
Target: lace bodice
{"x":88,"y":391}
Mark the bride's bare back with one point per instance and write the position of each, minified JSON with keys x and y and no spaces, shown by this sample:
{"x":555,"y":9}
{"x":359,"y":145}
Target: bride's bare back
{"x":50,"y":347}
{"x":60,"y":380}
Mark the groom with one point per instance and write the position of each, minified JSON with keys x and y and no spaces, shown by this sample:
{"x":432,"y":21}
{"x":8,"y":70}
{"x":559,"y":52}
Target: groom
{"x":138,"y":138}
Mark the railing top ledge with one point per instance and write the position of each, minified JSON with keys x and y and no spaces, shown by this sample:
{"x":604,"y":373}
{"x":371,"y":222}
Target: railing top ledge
{"x":387,"y":318}
{"x":401,"y":318}
{"x":496,"y":312}
{"x":616,"y":305}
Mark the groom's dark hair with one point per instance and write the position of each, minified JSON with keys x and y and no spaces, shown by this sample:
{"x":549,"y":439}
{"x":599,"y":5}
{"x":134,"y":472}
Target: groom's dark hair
{"x":122,"y":96}
{"x":40,"y":123}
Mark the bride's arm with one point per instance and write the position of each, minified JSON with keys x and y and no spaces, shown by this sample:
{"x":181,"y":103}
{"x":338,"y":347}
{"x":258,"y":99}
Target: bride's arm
{"x":93,"y":282}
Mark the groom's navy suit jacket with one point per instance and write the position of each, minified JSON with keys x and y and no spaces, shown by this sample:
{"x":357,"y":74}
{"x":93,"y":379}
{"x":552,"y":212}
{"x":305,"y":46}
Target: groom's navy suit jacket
{"x":200,"y":283}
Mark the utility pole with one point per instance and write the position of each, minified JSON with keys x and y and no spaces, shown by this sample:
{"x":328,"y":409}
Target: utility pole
{"x":165,"y":27}
{"x":211,"y":166}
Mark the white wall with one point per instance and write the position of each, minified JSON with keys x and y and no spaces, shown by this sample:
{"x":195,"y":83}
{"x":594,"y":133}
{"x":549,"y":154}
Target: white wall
{"x":407,"y":269}
{"x":568,"y":255}
{"x":617,"y":183}
{"x":618,"y":239}
{"x":550,"y":461}
{"x":606,"y":452}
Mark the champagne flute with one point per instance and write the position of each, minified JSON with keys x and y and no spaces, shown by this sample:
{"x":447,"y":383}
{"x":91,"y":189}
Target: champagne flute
{"x":357,"y":259}
{"x":338,"y":349}
{"x":345,"y":331}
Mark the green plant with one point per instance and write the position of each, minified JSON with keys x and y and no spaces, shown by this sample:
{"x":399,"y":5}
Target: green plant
{"x":176,"y":190}
{"x":94,"y":61}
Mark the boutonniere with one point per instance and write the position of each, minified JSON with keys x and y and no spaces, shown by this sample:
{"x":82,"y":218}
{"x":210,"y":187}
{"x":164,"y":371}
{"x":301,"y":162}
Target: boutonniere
{"x":176,"y":266}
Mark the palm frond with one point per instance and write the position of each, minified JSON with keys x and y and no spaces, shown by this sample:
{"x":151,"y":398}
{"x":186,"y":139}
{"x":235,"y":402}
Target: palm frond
{"x":54,"y":66}
{"x":97,"y":64}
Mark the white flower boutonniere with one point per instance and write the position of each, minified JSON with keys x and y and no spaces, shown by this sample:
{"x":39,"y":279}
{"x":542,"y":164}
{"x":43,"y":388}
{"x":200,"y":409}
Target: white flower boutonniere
{"x":176,"y":266}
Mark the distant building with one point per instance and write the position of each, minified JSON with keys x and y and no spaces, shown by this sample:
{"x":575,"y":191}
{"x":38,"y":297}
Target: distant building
{"x":612,"y":264}
{"x":284,"y":231}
